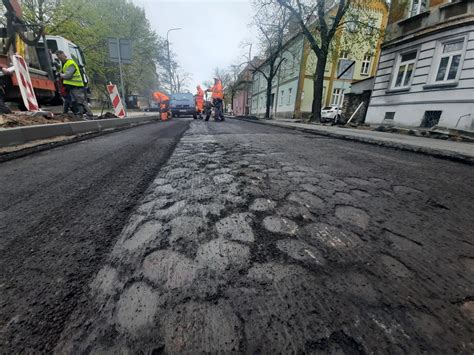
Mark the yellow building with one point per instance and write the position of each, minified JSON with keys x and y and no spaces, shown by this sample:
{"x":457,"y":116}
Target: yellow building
{"x":292,"y":88}
{"x":366,"y":56}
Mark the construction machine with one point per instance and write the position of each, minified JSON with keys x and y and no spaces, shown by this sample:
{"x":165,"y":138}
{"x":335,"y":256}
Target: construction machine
{"x":29,"y":40}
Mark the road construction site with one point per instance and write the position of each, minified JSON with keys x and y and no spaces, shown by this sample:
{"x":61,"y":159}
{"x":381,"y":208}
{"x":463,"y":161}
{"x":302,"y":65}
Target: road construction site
{"x":231,"y":237}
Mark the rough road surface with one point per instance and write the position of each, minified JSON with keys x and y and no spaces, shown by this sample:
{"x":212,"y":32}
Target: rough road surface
{"x":60,"y":212}
{"x":254,"y":239}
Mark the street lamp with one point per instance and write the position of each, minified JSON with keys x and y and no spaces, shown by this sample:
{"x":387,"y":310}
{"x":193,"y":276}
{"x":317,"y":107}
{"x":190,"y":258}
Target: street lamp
{"x":169,"y":58}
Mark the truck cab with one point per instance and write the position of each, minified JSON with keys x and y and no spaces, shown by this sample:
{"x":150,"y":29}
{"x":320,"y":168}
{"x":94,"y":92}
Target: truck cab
{"x":28,"y":40}
{"x":73,"y":51}
{"x":42,"y":64}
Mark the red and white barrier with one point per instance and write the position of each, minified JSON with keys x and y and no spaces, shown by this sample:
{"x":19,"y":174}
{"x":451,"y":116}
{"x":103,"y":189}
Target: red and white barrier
{"x":24,"y":82}
{"x":116,"y":101}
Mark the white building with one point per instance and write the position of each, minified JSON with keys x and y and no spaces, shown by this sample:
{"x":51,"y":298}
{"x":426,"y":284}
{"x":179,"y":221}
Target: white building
{"x":425,"y":76}
{"x":284,"y":85}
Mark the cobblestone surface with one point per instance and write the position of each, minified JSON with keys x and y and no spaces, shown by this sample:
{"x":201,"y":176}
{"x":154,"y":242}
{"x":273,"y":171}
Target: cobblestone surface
{"x":246,"y":245}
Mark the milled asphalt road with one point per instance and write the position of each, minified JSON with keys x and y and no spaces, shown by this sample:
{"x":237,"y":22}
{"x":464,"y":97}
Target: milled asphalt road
{"x":60,"y":212}
{"x":249,"y":239}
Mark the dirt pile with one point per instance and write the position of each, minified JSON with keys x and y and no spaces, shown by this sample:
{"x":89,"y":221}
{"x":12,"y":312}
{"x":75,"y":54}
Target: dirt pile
{"x":106,"y":116}
{"x":21,"y":119}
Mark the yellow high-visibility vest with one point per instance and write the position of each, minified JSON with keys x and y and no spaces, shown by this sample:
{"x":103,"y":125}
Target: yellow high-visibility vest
{"x":76,"y":80}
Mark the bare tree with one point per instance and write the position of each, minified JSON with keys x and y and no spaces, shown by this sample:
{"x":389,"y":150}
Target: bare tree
{"x":223,"y":75}
{"x":272,"y":23}
{"x":234,"y":83}
{"x":320,"y":21}
{"x":178,"y":79}
{"x":181,"y":80}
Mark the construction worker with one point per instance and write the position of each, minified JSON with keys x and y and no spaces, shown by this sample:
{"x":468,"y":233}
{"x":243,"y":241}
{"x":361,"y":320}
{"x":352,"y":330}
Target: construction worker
{"x":217,"y":99}
{"x":199,"y":102}
{"x":164,"y":101}
{"x":75,"y":92}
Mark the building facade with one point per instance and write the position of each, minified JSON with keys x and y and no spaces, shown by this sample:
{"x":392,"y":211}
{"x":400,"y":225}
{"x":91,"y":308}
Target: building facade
{"x":348,"y":49}
{"x":284,"y":85}
{"x":292,"y":89}
{"x":425,"y":76}
{"x":243,"y":91}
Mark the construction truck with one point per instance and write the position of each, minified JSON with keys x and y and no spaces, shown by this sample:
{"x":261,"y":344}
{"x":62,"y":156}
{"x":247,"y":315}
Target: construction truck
{"x":29,"y":41}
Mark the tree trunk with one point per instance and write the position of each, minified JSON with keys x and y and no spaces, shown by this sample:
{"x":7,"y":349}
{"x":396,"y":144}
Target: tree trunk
{"x":269,"y":97}
{"x":318,"y":85}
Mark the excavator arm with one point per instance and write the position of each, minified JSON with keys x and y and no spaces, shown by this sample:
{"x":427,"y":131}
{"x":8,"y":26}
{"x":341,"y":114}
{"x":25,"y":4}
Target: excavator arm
{"x":13,"y":6}
{"x":17,"y":26}
{"x":18,"y":30}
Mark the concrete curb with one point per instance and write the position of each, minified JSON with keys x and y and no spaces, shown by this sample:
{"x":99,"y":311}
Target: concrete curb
{"x":87,"y":130}
{"x":438,"y":153}
{"x":22,"y":135}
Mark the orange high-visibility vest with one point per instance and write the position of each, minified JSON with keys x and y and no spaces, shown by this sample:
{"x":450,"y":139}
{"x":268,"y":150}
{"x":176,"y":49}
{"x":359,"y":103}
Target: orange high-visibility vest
{"x":160,"y":97}
{"x":200,"y":94}
{"x":217,"y":91}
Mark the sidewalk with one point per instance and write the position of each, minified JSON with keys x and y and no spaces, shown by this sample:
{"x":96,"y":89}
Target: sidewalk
{"x":451,"y":150}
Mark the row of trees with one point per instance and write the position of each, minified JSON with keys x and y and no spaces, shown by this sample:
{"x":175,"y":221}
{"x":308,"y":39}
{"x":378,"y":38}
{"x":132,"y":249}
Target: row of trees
{"x":320,"y":22}
{"x":89,"y":24}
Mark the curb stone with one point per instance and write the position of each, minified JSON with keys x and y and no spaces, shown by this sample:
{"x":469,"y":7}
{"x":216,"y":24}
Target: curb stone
{"x":71,"y":131}
{"x":437,"y":153}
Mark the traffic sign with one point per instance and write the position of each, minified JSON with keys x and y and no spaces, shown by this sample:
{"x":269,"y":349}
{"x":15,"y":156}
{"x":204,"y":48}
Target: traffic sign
{"x":120,"y":50}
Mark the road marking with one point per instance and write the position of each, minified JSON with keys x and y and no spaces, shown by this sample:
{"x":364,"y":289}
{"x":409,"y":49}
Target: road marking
{"x":310,"y":254}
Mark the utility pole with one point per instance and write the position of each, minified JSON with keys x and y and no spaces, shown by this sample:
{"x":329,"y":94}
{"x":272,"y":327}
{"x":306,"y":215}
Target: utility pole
{"x":170,"y":73}
{"x":248,"y":103}
{"x":121,"y":74}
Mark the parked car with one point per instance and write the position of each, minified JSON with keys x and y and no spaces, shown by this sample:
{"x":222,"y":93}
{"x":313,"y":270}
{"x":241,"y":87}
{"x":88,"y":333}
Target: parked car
{"x":331,"y":114}
{"x":152,"y":108}
{"x":182,"y":104}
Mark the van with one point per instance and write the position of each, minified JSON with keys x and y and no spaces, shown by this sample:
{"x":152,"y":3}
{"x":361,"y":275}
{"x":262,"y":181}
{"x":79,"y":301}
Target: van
{"x":182,"y":104}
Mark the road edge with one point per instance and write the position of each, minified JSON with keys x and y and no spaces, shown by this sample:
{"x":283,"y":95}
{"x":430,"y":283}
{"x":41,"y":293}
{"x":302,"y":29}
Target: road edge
{"x":20,"y":153}
{"x":437,"y":153}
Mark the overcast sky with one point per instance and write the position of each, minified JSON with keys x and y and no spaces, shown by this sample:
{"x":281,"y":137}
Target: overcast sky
{"x":212,"y":31}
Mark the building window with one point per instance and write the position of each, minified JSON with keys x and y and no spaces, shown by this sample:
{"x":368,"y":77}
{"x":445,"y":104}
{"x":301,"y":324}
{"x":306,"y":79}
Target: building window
{"x":389,"y":115}
{"x":450,"y":61}
{"x":343,"y":56}
{"x":404,"y":71}
{"x":417,"y":7}
{"x":337,"y":97}
{"x":431,"y":119}
{"x":281,"y":97}
{"x":366,"y":65}
{"x":289,"y":96}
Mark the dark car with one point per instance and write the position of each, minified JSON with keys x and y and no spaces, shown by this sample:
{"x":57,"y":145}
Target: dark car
{"x":182,"y":104}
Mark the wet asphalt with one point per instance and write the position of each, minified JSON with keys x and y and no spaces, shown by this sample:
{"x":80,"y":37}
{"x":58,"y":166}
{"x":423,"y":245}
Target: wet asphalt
{"x":204,"y":237}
